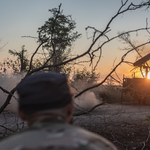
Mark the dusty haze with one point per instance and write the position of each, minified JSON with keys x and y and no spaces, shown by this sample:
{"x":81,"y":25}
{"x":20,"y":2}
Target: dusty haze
{"x":8,"y":82}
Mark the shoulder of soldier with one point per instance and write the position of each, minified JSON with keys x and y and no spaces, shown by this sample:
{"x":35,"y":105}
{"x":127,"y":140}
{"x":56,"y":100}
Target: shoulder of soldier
{"x":92,"y":140}
{"x":57,"y":136}
{"x":77,"y":136}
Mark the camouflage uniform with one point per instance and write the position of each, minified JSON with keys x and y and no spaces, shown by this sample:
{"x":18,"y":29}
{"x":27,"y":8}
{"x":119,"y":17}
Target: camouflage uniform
{"x":55,"y":135}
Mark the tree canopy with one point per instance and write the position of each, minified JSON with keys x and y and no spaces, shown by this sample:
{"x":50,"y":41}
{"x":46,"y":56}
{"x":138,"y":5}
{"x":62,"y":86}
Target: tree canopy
{"x":58,"y":35}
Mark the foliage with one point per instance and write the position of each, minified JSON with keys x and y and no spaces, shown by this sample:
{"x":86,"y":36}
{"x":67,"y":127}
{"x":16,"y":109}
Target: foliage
{"x":21,"y":58}
{"x":89,"y":77}
{"x":20,"y":62}
{"x":57,"y":36}
{"x":58,"y":32}
{"x":16,"y":65}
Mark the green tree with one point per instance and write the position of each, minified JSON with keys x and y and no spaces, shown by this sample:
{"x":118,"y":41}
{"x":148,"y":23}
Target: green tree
{"x":88,"y":77}
{"x":57,"y":36}
{"x":21,"y":58}
{"x":20,"y":62}
{"x":58,"y":32}
{"x":16,"y":65}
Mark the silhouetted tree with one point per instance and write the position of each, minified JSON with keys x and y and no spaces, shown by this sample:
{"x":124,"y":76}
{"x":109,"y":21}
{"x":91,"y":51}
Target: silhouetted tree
{"x":58,"y":36}
{"x":16,"y":65}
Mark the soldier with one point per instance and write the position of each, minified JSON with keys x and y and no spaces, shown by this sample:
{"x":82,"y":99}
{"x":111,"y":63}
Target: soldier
{"x":46,"y":104}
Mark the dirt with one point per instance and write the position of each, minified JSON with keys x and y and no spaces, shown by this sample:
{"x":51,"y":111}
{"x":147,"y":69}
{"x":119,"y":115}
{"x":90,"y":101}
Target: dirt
{"x":127,"y":126}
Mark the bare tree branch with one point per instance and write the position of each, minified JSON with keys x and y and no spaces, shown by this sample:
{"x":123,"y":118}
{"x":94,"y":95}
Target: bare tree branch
{"x":29,"y":37}
{"x":7,"y":100}
{"x":90,"y":110}
{"x":33,"y":57}
{"x":1,"y":48}
{"x":144,"y":143}
{"x":121,"y":61}
{"x":113,"y":38}
{"x":116,"y":80}
{"x":7,"y":92}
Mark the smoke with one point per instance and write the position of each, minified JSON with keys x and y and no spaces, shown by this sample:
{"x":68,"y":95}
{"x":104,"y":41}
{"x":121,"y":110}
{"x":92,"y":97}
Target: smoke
{"x":8,"y":82}
{"x":87,"y":100}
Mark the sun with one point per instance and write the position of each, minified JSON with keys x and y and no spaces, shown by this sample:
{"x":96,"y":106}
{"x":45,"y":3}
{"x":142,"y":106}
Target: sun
{"x":148,"y":76}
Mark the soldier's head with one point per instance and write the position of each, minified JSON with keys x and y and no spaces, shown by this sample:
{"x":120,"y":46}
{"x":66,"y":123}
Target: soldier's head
{"x":45,"y":95}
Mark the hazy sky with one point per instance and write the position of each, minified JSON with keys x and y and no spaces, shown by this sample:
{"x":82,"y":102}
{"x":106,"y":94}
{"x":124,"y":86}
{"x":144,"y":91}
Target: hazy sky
{"x":23,"y":17}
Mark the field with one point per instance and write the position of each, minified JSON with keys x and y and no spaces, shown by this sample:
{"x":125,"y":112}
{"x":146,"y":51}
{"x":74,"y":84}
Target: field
{"x":127,"y":126}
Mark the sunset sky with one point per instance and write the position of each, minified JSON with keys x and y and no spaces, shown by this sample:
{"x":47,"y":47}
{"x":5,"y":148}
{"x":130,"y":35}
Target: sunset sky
{"x":23,"y":17}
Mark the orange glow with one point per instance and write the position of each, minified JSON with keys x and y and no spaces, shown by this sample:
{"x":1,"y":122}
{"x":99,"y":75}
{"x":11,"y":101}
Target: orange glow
{"x":148,"y":77}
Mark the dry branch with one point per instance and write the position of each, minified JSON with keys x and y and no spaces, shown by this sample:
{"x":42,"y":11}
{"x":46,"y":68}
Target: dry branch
{"x":90,"y":110}
{"x":144,"y":143}
{"x":121,"y":61}
{"x":7,"y":100}
{"x":1,"y":48}
{"x":7,"y":92}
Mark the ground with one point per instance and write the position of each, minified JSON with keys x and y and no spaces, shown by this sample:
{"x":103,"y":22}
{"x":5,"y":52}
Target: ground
{"x":127,"y":126}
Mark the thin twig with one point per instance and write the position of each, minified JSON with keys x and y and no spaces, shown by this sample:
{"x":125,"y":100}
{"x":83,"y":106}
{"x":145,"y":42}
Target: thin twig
{"x":117,"y":140}
{"x":121,"y":61}
{"x":144,"y":143}
{"x":7,"y":92}
{"x":90,"y":110}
